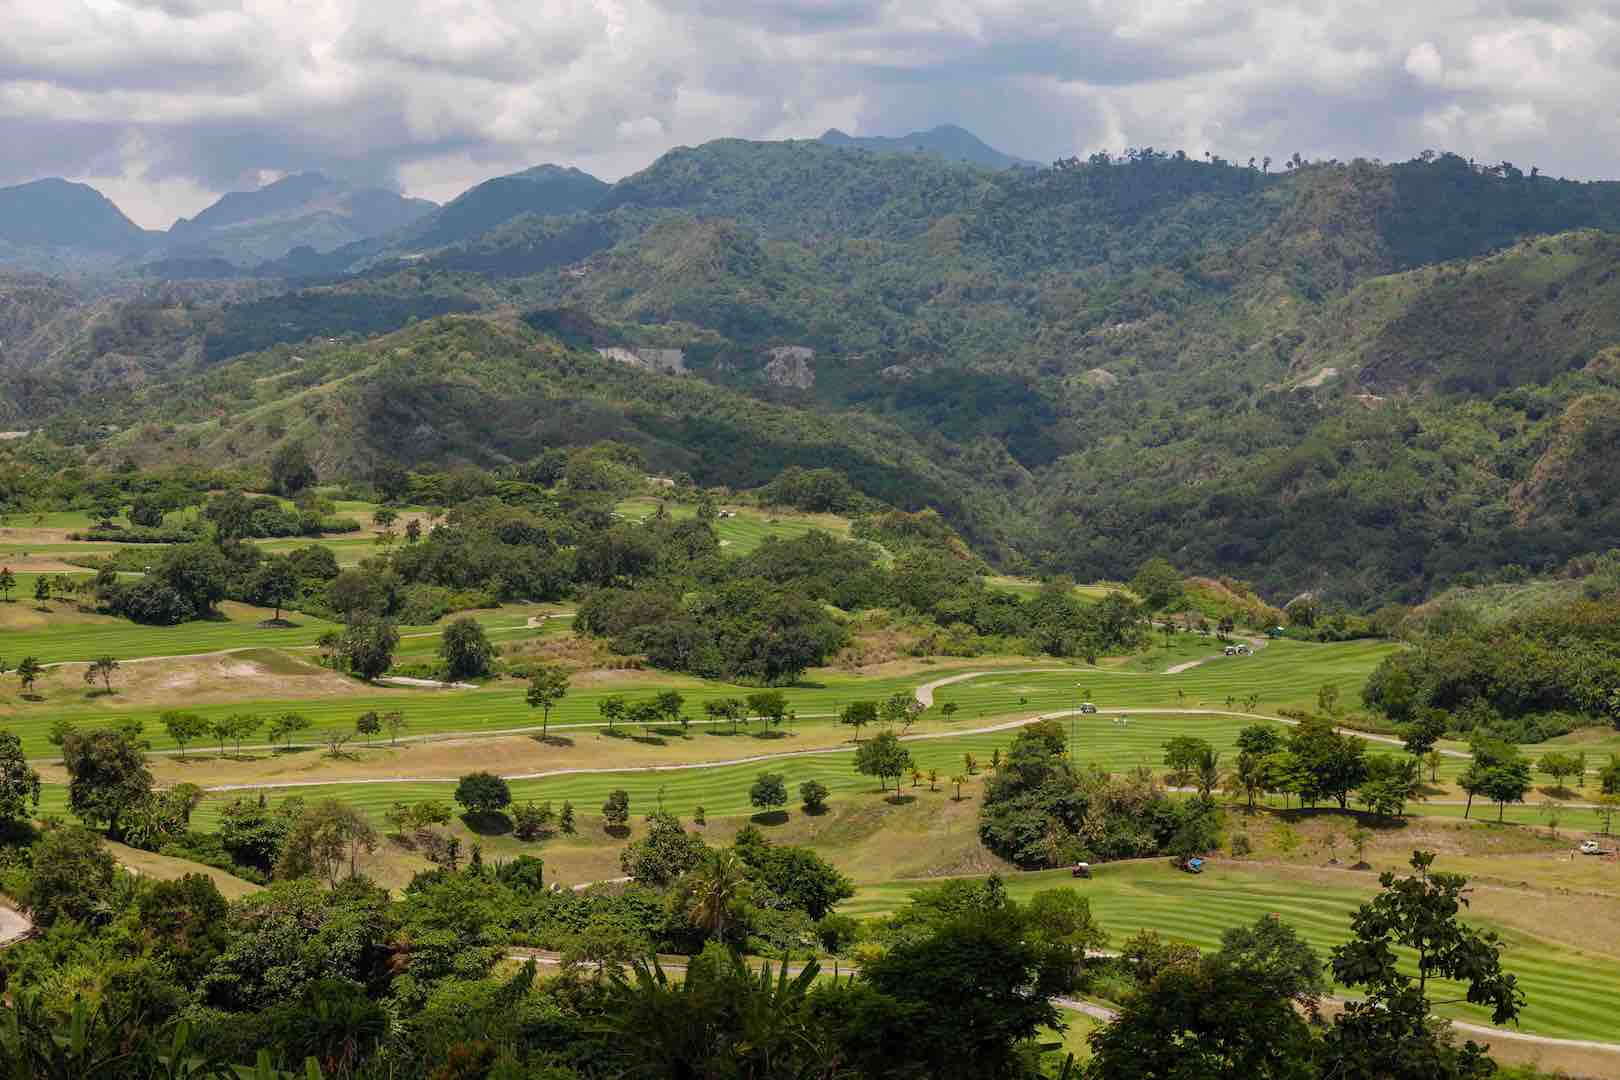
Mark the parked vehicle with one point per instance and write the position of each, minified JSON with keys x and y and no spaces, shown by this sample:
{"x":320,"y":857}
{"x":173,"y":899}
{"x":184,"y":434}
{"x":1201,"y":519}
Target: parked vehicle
{"x":1087,"y":707}
{"x":1591,"y":847}
{"x":1194,"y":865}
{"x":1231,"y":650}
{"x":1080,"y":869}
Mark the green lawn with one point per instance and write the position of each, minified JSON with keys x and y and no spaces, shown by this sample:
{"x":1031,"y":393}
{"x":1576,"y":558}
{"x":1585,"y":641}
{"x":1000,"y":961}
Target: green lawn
{"x":1571,"y":993}
{"x":72,"y":637}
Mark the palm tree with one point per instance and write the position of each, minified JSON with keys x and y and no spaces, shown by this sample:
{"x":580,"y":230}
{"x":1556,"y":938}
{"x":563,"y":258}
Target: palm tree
{"x":715,"y":885}
{"x":958,"y":780}
{"x":1208,"y":773}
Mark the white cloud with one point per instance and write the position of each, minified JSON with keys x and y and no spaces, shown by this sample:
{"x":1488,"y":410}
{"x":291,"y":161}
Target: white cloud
{"x":167,"y":102}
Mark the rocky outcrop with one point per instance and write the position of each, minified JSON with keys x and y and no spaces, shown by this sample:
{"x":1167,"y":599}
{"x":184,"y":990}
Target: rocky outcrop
{"x":662,"y":361}
{"x":789,"y":366}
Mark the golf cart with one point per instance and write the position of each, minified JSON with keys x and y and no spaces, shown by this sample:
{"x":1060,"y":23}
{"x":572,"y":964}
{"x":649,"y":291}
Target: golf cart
{"x":1080,"y":869}
{"x":1194,"y":865}
{"x":1087,"y":707}
{"x":1591,"y":847}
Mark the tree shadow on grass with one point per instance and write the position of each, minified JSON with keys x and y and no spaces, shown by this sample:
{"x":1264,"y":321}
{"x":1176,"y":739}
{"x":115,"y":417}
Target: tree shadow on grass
{"x":32,"y":697}
{"x":649,"y":740}
{"x":99,"y":692}
{"x":772,"y":733}
{"x":770,"y":817}
{"x":487,"y":823}
{"x":559,"y":741}
{"x":900,"y":799}
{"x":618,"y":832}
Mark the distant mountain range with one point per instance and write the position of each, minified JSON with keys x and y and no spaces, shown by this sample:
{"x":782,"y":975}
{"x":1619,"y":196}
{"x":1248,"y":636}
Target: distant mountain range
{"x":46,"y":221}
{"x":946,"y":141}
{"x":309,"y":224}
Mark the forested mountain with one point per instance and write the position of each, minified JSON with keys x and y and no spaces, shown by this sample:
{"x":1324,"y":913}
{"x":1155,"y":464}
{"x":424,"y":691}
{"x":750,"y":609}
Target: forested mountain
{"x":1361,"y":379}
{"x":947,"y":141}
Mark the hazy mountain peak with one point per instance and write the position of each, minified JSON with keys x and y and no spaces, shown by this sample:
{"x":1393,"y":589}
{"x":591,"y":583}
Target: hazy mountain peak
{"x":949,"y":141}
{"x":60,"y":213}
{"x":303,"y":209}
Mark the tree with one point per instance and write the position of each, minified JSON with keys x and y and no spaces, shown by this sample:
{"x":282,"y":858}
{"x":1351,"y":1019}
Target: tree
{"x":1182,"y":756}
{"x":813,"y":794}
{"x":72,"y":873}
{"x":615,"y":811}
{"x":1158,"y":585}
{"x":336,"y":739}
{"x":858,"y":714}
{"x":8,"y":582}
{"x":466,"y":649}
{"x":970,"y":995}
{"x":548,"y":685}
{"x":236,"y":726}
{"x":290,"y":469}
{"x":1062,"y":918}
{"x":1228,"y":1014}
{"x":959,"y":780}
{"x":948,"y":710}
{"x":483,"y":793}
{"x":368,"y":724}
{"x":768,"y":792}
{"x":107,"y":775}
{"x":901,"y":708}
{"x":19,"y":784}
{"x":883,"y":756}
{"x":1505,"y":783}
{"x":198,"y":573}
{"x":712,"y":891}
{"x":1609,"y":776}
{"x":184,"y":728}
{"x":1333,"y":764}
{"x":1559,"y":765}
{"x":769,"y":705}
{"x":1390,"y":783}
{"x":328,"y":837}
{"x":645,"y":714}
{"x":1426,"y":729}
{"x":1553,"y":811}
{"x":274,"y":585}
{"x":1389,"y":1034}
{"x":665,"y":853}
{"x":367,"y":646}
{"x":1433,"y":760}
{"x":29,"y":669}
{"x":1327,"y":699}
{"x":42,"y":589}
{"x":287,"y":725}
{"x":667,"y":706}
{"x":612,"y":709}
{"x":395,"y":723}
{"x":530,"y":820}
{"x":565,"y":820}
{"x":102,"y":667}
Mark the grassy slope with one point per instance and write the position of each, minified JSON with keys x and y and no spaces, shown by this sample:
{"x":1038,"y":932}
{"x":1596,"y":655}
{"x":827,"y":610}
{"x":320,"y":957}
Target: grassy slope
{"x":1570,"y":991}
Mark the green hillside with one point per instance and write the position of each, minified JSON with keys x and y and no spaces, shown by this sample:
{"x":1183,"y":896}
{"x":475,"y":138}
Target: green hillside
{"x":1365,"y":380}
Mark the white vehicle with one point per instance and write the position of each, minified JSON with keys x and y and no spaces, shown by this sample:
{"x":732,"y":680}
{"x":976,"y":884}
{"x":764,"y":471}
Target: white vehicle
{"x":1590,"y":847}
{"x":1244,"y":650}
{"x":1087,"y":707}
{"x":1231,"y":650}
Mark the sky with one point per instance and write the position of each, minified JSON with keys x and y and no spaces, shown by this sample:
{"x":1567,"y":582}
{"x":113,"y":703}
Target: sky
{"x":165,"y":104}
